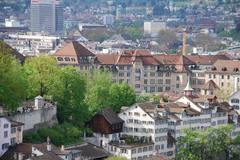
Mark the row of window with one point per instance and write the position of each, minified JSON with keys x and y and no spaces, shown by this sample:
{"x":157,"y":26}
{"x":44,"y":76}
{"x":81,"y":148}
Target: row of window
{"x":161,"y":130}
{"x":143,"y":149}
{"x":66,"y":59}
{"x":135,"y":121}
{"x":235,"y":100}
{"x":159,"y":139}
{"x":137,"y":130}
{"x":193,"y":121}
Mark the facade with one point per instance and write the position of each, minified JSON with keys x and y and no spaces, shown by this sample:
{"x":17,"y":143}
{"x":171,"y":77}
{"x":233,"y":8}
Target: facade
{"x":106,"y":126}
{"x":108,"y":20}
{"x":148,"y":121}
{"x":33,"y":43}
{"x":46,"y":16}
{"x":153,"y":27}
{"x":234,"y":100}
{"x":5,"y":130}
{"x":11,"y":133}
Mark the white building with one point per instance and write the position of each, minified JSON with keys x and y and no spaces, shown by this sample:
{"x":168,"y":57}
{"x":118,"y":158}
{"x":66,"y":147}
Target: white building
{"x":11,"y":133}
{"x":153,"y":27}
{"x":35,"y":43}
{"x":5,"y":138}
{"x":12,"y":22}
{"x":234,"y":100}
{"x":108,"y":20}
{"x":146,"y":120}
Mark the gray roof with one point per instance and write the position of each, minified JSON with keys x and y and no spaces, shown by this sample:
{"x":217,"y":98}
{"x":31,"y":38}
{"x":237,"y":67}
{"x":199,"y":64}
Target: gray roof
{"x":110,"y":116}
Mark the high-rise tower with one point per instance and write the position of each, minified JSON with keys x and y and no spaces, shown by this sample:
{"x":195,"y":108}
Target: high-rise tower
{"x":46,"y":16}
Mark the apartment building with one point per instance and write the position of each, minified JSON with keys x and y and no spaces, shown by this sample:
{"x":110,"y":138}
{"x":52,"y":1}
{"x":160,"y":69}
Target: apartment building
{"x":139,"y":68}
{"x":11,"y":133}
{"x":148,"y":121}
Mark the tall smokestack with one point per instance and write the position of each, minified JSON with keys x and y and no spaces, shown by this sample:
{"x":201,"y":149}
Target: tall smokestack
{"x":184,"y":42}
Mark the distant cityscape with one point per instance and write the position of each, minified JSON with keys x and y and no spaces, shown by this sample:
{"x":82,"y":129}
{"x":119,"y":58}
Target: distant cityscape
{"x":119,"y":80}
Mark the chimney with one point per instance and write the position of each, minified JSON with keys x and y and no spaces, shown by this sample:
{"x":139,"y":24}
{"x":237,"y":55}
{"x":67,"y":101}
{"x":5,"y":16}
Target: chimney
{"x":39,"y":102}
{"x":184,"y":42}
{"x":49,"y":147}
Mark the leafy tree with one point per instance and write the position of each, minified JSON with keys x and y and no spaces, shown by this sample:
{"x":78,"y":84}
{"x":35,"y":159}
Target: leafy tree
{"x":12,"y":79}
{"x":69,"y":91}
{"x":121,"y":95}
{"x":42,"y":72}
{"x":98,"y":86}
{"x":167,"y":39}
{"x":63,"y":134}
{"x":212,"y":143}
{"x":224,"y":94}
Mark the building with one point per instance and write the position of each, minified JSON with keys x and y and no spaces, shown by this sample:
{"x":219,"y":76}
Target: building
{"x":12,"y":22}
{"x":148,"y":121}
{"x":108,"y":20}
{"x":11,"y":133}
{"x":139,"y":68}
{"x":234,"y":100}
{"x":46,"y":151}
{"x":46,"y":16}
{"x":153,"y":27}
{"x":33,"y":43}
{"x":106,"y":126}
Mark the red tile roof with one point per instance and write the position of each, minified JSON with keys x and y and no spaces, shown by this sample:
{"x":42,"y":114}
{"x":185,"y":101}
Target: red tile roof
{"x":74,"y":49}
{"x":207,"y":59}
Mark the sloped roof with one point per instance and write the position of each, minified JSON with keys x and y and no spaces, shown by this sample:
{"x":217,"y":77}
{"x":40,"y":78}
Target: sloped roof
{"x":15,"y":53}
{"x":227,"y":66}
{"x":110,"y":116}
{"x":74,"y":49}
{"x":90,"y":151}
{"x":210,"y":85}
{"x":207,"y":59}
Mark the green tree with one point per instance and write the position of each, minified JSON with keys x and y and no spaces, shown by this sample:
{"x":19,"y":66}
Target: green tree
{"x":98,"y":86}
{"x":121,"y":95}
{"x":212,"y":143}
{"x":167,"y":39}
{"x":42,"y":72}
{"x":13,"y":83}
{"x":69,"y":91}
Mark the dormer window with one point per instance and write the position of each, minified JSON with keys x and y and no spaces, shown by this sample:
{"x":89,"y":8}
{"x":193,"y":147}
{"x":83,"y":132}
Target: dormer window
{"x":214,"y":68}
{"x":67,"y":59}
{"x":235,"y":70}
{"x":60,"y":59}
{"x":224,"y":69}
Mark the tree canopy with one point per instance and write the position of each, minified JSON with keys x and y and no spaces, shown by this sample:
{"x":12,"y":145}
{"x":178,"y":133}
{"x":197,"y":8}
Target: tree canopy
{"x":12,"y":79}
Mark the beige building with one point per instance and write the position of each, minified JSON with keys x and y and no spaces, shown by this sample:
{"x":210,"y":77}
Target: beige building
{"x":139,"y":68}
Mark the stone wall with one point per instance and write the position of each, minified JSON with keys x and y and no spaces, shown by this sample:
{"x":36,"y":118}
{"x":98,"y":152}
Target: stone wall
{"x":44,"y":117}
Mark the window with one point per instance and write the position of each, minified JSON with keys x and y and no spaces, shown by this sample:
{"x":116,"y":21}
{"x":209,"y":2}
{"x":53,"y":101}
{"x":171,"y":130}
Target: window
{"x":137,"y":86}
{"x":234,"y":100}
{"x":150,"y":148}
{"x":210,"y":76}
{"x":13,"y":141}
{"x":121,"y":74}
{"x":145,"y":149}
{"x":121,"y":67}
{"x":178,"y":78}
{"x":133,"y":151}
{"x":67,"y":59}
{"x":160,"y":81}
{"x":13,"y":130}
{"x":160,"y":89}
{"x":167,"y":88}
{"x":59,"y":59}
{"x":73,"y":59}
{"x":145,"y":81}
{"x":128,"y":74}
{"x":160,"y":74}
{"x":177,"y":85}
{"x":152,"y":81}
{"x":5,"y":125}
{"x":168,"y":81}
{"x":137,"y":78}
{"x":123,"y":151}
{"x":152,"y":74}
{"x":214,"y":76}
{"x":152,"y":89}
{"x":222,"y":76}
{"x":145,"y":74}
{"x":222,"y":84}
{"x":168,"y":74}
{"x":228,"y":77}
{"x":152,"y":67}
{"x":139,"y":150}
{"x":5,"y":146}
{"x":5,"y":134}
